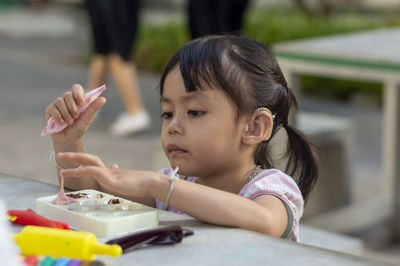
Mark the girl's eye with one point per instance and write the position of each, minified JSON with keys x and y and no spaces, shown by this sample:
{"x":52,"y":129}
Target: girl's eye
{"x":195,"y":113}
{"x":166,"y":115}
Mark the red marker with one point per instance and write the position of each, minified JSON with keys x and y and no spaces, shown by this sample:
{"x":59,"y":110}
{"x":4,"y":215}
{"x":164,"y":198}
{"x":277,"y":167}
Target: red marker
{"x":29,"y":217}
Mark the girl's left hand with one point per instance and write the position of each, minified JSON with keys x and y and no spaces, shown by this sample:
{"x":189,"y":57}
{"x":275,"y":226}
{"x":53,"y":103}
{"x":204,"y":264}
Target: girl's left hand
{"x":122,"y":181}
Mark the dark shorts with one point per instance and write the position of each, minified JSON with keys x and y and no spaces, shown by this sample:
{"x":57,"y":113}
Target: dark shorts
{"x":215,"y":16}
{"x":114,"y":25}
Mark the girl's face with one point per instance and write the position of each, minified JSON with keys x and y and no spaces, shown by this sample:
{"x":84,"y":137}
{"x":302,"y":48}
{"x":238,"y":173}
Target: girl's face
{"x":200,"y":131}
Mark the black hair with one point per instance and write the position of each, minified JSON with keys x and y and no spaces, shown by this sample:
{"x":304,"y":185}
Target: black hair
{"x":248,"y":73}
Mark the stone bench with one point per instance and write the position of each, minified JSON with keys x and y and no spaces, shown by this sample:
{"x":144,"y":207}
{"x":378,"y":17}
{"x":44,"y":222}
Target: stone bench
{"x":332,"y":137}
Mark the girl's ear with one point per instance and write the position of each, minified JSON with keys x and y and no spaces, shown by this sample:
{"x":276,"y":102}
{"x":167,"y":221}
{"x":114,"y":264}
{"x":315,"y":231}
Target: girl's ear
{"x":259,"y":127}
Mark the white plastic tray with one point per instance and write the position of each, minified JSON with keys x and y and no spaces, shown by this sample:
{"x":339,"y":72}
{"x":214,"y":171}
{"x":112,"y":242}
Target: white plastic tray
{"x":94,"y":215}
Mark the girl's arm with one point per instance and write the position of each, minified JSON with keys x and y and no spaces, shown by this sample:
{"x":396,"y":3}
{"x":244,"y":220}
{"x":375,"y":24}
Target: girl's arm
{"x":266,"y":214}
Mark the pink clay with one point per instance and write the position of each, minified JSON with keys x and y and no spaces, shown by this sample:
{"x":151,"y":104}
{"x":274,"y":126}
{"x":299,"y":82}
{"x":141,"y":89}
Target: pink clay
{"x":53,"y":126}
{"x":62,"y":199}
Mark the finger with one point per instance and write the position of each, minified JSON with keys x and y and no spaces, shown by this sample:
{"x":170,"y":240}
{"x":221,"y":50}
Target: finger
{"x":82,"y":172}
{"x":52,"y":111}
{"x":114,"y":165}
{"x":62,"y":108}
{"x":81,"y":158}
{"x":71,"y":104}
{"x":88,"y":116}
{"x":89,"y":172}
{"x":78,"y":93}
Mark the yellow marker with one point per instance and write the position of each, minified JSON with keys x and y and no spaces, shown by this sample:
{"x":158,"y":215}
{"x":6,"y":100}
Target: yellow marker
{"x":38,"y":240}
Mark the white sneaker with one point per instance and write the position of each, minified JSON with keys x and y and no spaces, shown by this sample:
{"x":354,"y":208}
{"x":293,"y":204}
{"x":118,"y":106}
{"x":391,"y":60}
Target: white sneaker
{"x":129,"y":124}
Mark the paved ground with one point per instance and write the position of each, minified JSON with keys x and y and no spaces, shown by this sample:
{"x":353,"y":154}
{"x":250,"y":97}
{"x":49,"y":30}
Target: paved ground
{"x":36,"y":68}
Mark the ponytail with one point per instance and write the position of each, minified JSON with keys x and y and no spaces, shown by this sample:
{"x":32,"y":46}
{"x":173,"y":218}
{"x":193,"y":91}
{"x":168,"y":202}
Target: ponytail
{"x":302,"y":161}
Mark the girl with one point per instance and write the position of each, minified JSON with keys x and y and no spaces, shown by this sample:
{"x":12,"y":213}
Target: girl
{"x":223,"y":98}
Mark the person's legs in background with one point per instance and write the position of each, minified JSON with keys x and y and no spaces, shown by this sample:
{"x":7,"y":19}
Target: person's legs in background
{"x":98,"y":71}
{"x":123,"y":30}
{"x":237,"y":10}
{"x":201,"y":17}
{"x":215,"y":16}
{"x":114,"y":27}
{"x":101,"y":45}
{"x":135,"y":117}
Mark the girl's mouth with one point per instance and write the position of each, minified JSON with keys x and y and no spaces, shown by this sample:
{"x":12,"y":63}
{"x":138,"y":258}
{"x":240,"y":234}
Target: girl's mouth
{"x":175,"y":149}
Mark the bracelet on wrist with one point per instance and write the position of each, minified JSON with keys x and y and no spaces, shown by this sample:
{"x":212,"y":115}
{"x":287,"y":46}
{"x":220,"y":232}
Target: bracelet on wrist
{"x":171,"y":186}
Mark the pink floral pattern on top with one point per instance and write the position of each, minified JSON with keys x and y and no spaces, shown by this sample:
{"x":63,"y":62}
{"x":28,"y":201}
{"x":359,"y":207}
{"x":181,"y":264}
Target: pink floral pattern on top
{"x":275,"y":182}
{"x":267,"y":182}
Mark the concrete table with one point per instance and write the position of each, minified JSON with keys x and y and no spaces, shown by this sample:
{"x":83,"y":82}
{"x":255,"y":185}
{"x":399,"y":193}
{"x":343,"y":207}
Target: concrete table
{"x":369,"y":56}
{"x":210,"y":245}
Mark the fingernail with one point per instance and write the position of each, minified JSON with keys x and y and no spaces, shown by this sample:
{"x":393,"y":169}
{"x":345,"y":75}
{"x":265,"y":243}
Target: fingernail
{"x":61,"y":153}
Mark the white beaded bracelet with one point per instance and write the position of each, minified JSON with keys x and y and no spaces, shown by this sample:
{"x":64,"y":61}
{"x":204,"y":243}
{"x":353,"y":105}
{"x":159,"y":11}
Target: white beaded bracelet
{"x":171,"y":186}
{"x":53,"y":158}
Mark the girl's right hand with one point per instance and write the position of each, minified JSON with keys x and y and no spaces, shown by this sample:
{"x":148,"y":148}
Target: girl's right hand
{"x":65,"y":109}
{"x":131,"y":183}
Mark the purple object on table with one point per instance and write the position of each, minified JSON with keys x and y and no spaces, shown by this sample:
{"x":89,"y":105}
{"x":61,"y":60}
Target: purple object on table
{"x":74,"y":263}
{"x":159,"y":236}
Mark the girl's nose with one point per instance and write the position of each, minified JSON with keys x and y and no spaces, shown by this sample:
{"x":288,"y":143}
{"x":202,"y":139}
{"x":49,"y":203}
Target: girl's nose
{"x":175,"y":127}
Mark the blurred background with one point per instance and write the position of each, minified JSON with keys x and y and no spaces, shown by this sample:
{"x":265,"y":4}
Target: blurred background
{"x":45,"y":46}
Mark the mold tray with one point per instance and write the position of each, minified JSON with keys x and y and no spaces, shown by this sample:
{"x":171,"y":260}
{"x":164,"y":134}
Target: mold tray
{"x":103,"y":214}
